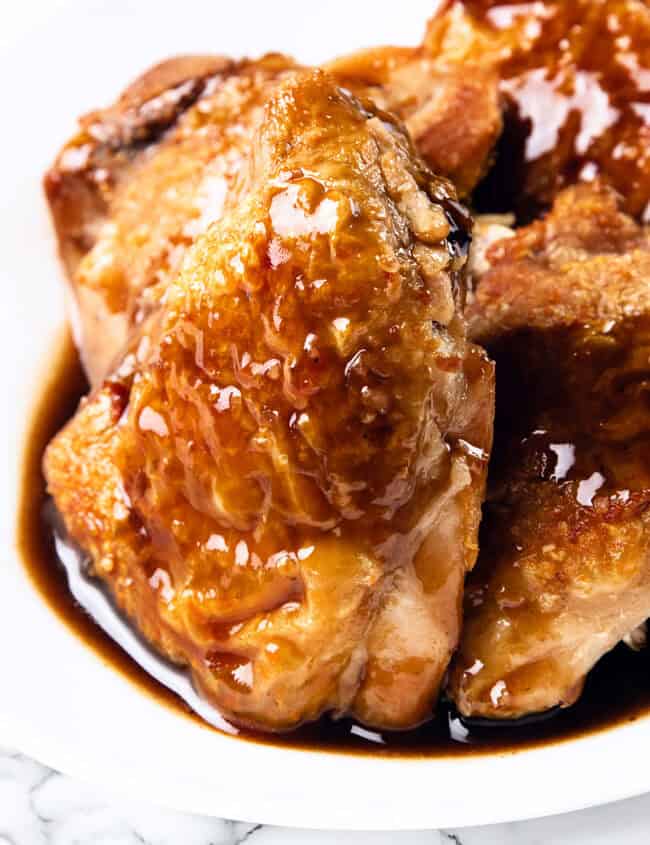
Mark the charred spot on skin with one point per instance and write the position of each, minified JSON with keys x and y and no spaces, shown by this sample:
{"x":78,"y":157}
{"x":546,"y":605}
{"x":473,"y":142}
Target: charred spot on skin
{"x":233,"y":669}
{"x":460,"y":223}
{"x":143,"y":124}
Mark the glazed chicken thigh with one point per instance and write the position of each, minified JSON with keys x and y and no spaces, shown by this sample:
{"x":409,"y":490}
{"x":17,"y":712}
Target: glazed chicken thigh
{"x":280,"y":478}
{"x":564,"y":569}
{"x":141,"y":179}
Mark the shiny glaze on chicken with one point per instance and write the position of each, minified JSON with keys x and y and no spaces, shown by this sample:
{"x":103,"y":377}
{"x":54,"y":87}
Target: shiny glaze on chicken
{"x":445,"y":735}
{"x":281,"y":479}
{"x":564,"y":570}
{"x":575,"y":82}
{"x":280,"y":469}
{"x":142,"y":179}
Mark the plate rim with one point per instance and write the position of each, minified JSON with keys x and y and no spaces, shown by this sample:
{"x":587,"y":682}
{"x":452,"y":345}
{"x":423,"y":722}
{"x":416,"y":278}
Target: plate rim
{"x":564,"y":776}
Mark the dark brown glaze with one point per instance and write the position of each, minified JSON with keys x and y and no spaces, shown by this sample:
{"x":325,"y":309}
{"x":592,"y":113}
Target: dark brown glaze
{"x":281,"y":482}
{"x":575,"y":77}
{"x":60,"y":397}
{"x":624,"y":671}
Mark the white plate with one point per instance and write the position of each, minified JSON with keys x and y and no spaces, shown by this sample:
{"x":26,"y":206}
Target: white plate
{"x":58,"y":702}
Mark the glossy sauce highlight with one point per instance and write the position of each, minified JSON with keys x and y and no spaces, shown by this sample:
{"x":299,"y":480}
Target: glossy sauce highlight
{"x":575,"y":77}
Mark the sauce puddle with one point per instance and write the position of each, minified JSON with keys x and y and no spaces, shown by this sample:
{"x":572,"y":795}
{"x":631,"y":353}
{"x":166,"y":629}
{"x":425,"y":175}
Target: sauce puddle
{"x":617,"y":690}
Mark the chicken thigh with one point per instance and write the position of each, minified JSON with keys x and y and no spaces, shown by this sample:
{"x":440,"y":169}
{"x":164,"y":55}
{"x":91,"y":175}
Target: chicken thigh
{"x":281,"y":478}
{"x":564,"y":569}
{"x":142,"y":178}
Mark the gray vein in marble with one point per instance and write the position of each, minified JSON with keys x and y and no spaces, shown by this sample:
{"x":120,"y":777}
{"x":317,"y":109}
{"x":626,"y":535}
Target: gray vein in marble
{"x":247,"y":835}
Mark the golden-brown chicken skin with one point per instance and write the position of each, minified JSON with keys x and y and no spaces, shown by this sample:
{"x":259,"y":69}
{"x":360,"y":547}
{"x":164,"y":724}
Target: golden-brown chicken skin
{"x":564,"y":568}
{"x":573,"y":77}
{"x":281,"y":481}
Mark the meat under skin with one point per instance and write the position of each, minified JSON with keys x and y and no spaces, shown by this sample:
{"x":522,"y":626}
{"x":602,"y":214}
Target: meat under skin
{"x":281,"y":481}
{"x":564,"y":569}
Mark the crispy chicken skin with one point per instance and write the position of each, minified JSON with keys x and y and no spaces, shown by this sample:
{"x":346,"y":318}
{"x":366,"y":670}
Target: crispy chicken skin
{"x":564,"y":569}
{"x":281,"y":480}
{"x":573,"y":79}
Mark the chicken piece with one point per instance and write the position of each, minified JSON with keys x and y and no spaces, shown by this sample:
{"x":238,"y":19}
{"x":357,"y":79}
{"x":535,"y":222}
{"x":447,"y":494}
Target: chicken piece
{"x":574,"y":78}
{"x":451,"y":108}
{"x":133,"y":189}
{"x":281,"y":481}
{"x":564,"y":568}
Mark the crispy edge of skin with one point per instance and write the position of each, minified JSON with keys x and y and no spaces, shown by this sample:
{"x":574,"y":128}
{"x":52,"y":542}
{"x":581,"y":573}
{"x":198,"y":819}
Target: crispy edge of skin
{"x":520,"y":290}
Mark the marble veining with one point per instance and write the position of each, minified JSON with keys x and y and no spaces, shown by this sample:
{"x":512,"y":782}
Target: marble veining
{"x":39,"y":806}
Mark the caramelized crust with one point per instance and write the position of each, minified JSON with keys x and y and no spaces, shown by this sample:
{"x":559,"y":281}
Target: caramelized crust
{"x":583,"y":264}
{"x":281,"y":481}
{"x":564,"y":569}
{"x":451,"y":108}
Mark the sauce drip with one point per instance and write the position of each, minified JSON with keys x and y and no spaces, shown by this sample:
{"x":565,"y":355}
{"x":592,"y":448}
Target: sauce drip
{"x":575,"y":75}
{"x":57,"y":570}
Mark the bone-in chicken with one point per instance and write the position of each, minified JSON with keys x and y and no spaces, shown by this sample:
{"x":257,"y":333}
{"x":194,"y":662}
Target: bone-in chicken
{"x":564,"y":569}
{"x":281,"y":478}
{"x":144,"y":177}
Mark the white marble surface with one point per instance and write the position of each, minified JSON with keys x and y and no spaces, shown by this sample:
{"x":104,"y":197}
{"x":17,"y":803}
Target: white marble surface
{"x":41,"y":807}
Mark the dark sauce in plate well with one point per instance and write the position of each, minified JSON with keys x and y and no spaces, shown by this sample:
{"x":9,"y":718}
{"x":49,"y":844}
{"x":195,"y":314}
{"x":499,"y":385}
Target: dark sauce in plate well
{"x":617,"y":691}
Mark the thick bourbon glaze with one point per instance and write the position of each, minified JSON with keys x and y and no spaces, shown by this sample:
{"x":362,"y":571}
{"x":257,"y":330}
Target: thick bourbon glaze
{"x":624,"y":671}
{"x":575,"y":75}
